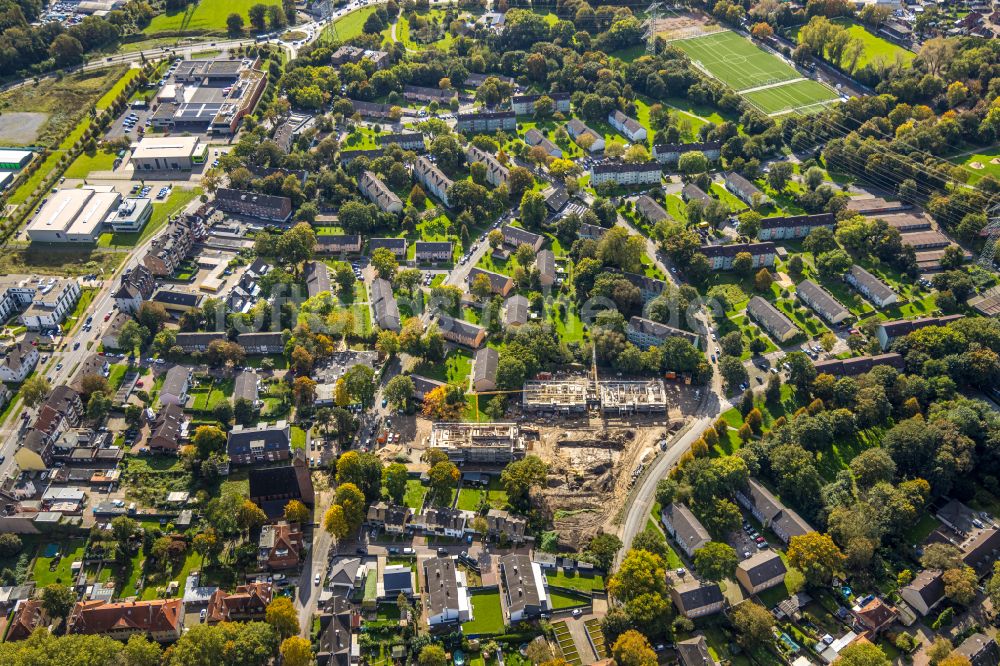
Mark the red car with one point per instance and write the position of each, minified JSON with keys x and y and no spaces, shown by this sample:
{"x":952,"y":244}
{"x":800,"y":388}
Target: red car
{"x":107,"y":316}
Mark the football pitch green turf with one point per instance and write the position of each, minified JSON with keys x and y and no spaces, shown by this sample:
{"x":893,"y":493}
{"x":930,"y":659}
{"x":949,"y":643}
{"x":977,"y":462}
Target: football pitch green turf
{"x":743,"y":66}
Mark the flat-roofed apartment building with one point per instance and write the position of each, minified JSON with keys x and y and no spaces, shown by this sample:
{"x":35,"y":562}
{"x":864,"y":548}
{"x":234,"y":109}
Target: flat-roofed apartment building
{"x":720,"y":257}
{"x":822,"y":301}
{"x":496,"y":173}
{"x":432,"y":179}
{"x":73,"y":216}
{"x":646,"y":173}
{"x":167,"y":153}
{"x":879,"y":293}
{"x":635,"y":397}
{"x":209,"y":96}
{"x":771,"y":319}
{"x":379,"y":193}
{"x":51,"y":300}
{"x":479,"y":443}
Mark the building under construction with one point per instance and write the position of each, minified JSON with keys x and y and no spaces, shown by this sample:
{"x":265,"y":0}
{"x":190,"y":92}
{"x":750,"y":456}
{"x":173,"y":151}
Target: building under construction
{"x":479,"y":443}
{"x":558,"y":397}
{"x":637,"y":397}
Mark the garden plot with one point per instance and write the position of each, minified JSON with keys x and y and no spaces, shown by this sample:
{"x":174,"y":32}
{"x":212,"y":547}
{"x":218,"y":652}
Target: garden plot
{"x":566,"y":645}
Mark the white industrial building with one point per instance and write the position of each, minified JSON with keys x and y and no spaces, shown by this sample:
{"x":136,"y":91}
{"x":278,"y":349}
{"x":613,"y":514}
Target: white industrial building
{"x":131,"y":215}
{"x":167,"y":153}
{"x":73,"y":216}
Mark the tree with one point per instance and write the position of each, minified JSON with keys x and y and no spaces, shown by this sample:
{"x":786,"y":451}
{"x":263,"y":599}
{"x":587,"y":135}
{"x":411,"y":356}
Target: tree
{"x":297,"y":512}
{"x":432,"y":655}
{"x":249,"y":515}
{"x":753,"y":624}
{"x":743,"y":263}
{"x":335,"y":523}
{"x":960,"y":585}
{"x":226,"y":644}
{"x":10,"y":544}
{"x":802,"y":372}
{"x":833,"y":264}
{"x":603,"y":547}
{"x":481,"y":287}
{"x":296,"y":651}
{"x":244,"y":411}
{"x":633,"y":649}
{"x":862,"y":653}
{"x":779,"y":175}
{"x":941,"y":556}
{"x":234,"y":24}
{"x":57,"y":600}
{"x":281,"y":615}
{"x":208,"y":440}
{"x":34,"y":390}
{"x":732,"y":371}
{"x":520,"y":476}
{"x":399,"y":391}
{"x":444,"y":403}
{"x":443,"y":477}
{"x":692,"y":162}
{"x":715,"y":561}
{"x":749,"y":223}
{"x":816,"y":556}
{"x":359,"y":380}
{"x":206,"y":543}
{"x":394,"y":479}
{"x":140,"y":651}
{"x":732,"y":343}
{"x":641,"y":572}
{"x":533,"y":211}
{"x":762,"y":280}
{"x":66,"y":50}
{"x":762,"y":31}
{"x":152,"y":317}
{"x":385,"y":263}
{"x":363,"y":470}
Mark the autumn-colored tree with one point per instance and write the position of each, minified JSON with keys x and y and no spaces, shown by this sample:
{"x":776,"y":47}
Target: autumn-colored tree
{"x":699,"y":449}
{"x":745,"y":433}
{"x":335,"y":523}
{"x":304,"y":391}
{"x":816,"y":556}
{"x":296,"y":651}
{"x":350,"y":497}
{"x":281,"y":615}
{"x":641,"y":572}
{"x":762,"y":30}
{"x":755,"y":420}
{"x":444,"y":403}
{"x":297,"y":512}
{"x":633,"y":649}
{"x":249,"y":515}
{"x":762,"y":280}
{"x":302,"y":360}
{"x":753,"y":622}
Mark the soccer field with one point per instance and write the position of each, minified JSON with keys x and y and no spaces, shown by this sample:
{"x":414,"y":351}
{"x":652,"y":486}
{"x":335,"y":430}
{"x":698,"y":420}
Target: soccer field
{"x":743,"y":66}
{"x":806,"y":96}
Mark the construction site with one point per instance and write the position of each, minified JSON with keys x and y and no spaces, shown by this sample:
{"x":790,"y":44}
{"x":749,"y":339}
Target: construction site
{"x":478,"y":443}
{"x":617,"y":398}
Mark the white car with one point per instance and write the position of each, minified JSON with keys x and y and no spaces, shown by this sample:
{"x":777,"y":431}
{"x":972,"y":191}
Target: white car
{"x":318,"y":578}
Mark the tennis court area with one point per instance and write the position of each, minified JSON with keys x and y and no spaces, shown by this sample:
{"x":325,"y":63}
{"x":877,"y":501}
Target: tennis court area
{"x":763,"y":79}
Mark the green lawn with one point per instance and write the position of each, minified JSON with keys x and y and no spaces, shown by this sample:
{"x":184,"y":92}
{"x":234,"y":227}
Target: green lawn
{"x":487,"y":615}
{"x":208,"y":396}
{"x":415,"y":493}
{"x":875,"y":48}
{"x":575,"y":581}
{"x":455,"y":369}
{"x":298,"y":438}
{"x":86,"y":296}
{"x":348,"y":27}
{"x":162,"y":211}
{"x":469,"y":499}
{"x":986,"y":162}
{"x":735,"y":60}
{"x":109,"y":97}
{"x":85,"y":163}
{"x":204,"y":17}
{"x":43,"y":573}
{"x":807,"y":95}
{"x":562,"y":600}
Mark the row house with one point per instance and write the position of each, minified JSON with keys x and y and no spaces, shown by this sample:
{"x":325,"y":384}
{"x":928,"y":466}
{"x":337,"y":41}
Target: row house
{"x":858,"y":365}
{"x":670,"y":153}
{"x":627,"y":127}
{"x":371,"y":109}
{"x":136,"y":285}
{"x":515,"y":311}
{"x":484,"y":370}
{"x":62,"y":410}
{"x":577,"y":130}
{"x":317,"y":277}
{"x":379,"y":193}
{"x":524,"y":105}
{"x":486,"y":121}
{"x":499,"y":284}
{"x":251,"y":204}
{"x":434,"y":252}
{"x":696,"y":599}
{"x":645,"y":333}
{"x":770,"y":512}
{"x":443,"y":521}
{"x":744,"y":190}
{"x":787,"y":227}
{"x":720,"y":257}
{"x":647,"y":208}
{"x":684,"y":528}
{"x":395,"y":245}
{"x":192,"y":342}
{"x":515,"y":237}
{"x":496,"y":173}
{"x":172,"y":246}
{"x":625,"y":173}
{"x":405,"y":140}
{"x":392,"y":518}
{"x":591,"y":232}
{"x":691,"y":192}
{"x":428,"y":95}
{"x":545,"y":262}
{"x":504,"y":526}
{"x":338,"y":243}
{"x":461,"y":332}
{"x":160,"y":619}
{"x":649,"y":287}
{"x":385,"y":310}
{"x":879,"y":293}
{"x":262,"y":343}
{"x":524,"y":589}
{"x":822,"y":302}
{"x":446,"y":599}
{"x":771,"y":319}
{"x":176,"y":385}
{"x":432,"y":179}
{"x":888,"y":331}
{"x":761,"y":571}
{"x":534,"y":137}
{"x":354,"y":54}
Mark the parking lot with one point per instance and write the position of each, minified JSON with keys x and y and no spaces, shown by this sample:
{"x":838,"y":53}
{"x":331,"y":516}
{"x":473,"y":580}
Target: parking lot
{"x":747,"y":541}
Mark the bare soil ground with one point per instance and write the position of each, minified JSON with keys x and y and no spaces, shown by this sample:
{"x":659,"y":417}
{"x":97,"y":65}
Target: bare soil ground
{"x":21,"y":128}
{"x":681,"y":25}
{"x":590,"y":471}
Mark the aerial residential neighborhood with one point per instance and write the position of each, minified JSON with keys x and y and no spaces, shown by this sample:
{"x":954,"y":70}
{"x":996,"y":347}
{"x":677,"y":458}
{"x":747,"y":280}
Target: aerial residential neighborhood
{"x":492,"y":334}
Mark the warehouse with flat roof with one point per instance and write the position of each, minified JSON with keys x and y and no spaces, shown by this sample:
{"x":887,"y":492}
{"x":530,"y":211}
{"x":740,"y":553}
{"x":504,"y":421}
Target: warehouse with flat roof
{"x":14,"y":159}
{"x":73,"y":216}
{"x":167,"y":153}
